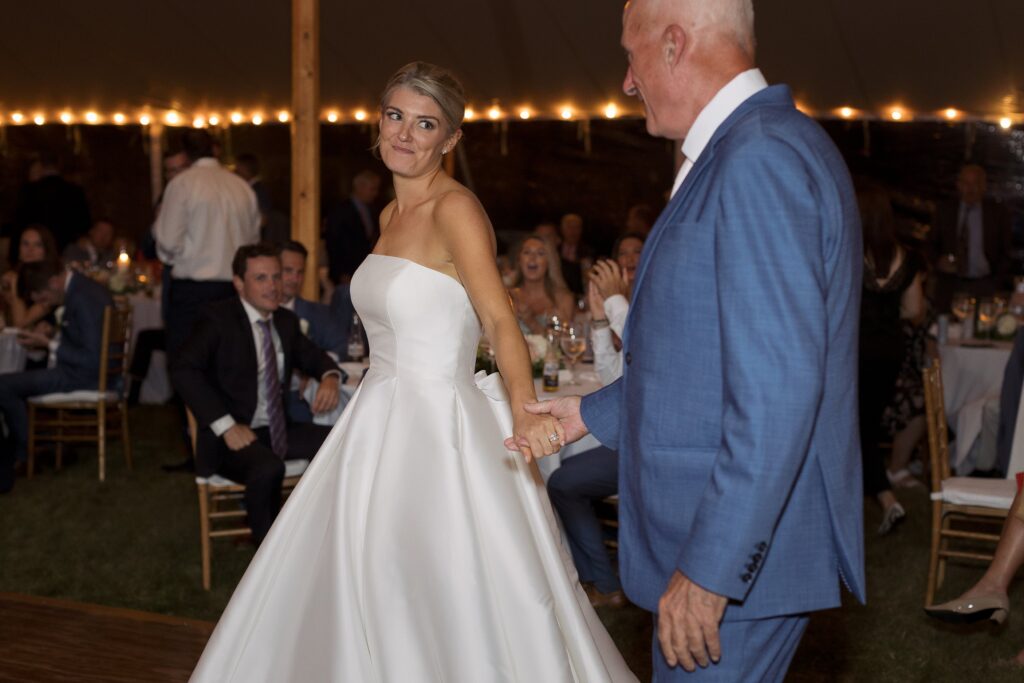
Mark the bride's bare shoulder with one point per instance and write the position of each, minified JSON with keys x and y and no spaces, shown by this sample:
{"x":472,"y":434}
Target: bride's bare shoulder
{"x":386,"y":213}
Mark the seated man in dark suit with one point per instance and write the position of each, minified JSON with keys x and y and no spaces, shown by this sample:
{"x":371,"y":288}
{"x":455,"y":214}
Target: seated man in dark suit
{"x":315,"y":320}
{"x":232,"y":374}
{"x":78,"y":350}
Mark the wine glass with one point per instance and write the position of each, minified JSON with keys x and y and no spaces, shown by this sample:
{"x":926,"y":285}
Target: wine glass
{"x":573,"y":343}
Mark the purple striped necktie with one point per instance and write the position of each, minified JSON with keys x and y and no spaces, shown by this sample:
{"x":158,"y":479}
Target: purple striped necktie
{"x":272,"y":384}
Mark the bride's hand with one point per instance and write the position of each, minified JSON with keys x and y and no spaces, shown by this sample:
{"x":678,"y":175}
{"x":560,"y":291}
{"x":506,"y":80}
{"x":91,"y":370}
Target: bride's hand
{"x":532,"y":434}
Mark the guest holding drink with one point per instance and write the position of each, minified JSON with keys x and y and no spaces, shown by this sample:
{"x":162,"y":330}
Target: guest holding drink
{"x":538,"y":291}
{"x":892,"y":292}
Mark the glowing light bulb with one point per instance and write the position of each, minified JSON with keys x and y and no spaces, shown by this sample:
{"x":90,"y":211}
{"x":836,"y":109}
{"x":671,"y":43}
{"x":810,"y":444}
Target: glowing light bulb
{"x":199,"y":122}
{"x":145,"y":119}
{"x":39,"y":119}
{"x":332,"y":116}
{"x":257,"y":119}
{"x":611,"y":110}
{"x":119,"y":118}
{"x":236,"y":117}
{"x":566,"y":113}
{"x":360,"y":114}
{"x":282,"y":116}
{"x":846,"y":112}
{"x":1005,"y":123}
{"x":92,"y":117}
{"x":214,"y":120}
{"x":494,"y":113}
{"x":951,"y":114}
{"x":66,"y":117}
{"x":17,"y":117}
{"x":172,"y":118}
{"x":469,"y":114}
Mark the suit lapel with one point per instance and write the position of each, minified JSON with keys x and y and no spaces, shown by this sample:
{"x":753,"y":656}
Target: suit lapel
{"x":773,"y":95}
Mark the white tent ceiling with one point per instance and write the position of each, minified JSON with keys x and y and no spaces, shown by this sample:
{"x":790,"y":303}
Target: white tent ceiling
{"x":221,"y":55}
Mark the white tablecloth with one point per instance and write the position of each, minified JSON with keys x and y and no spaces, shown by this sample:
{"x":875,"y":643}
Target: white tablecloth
{"x":12,"y":354}
{"x":971,"y":374}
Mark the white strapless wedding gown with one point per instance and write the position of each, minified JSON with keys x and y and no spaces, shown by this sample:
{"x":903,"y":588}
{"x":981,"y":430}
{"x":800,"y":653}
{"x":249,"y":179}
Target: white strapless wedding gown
{"x":415,"y":548}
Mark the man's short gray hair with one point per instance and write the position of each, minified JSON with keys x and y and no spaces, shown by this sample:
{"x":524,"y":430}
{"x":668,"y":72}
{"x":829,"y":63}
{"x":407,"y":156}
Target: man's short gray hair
{"x":735,"y":17}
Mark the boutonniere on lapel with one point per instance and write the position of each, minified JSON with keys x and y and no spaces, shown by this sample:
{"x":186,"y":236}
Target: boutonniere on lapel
{"x":58,"y":314}
{"x":304,"y":326}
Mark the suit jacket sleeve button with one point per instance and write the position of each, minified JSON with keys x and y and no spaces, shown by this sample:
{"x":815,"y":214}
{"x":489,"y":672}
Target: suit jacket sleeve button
{"x":629,"y":357}
{"x":746,"y":578}
{"x":762,"y":546}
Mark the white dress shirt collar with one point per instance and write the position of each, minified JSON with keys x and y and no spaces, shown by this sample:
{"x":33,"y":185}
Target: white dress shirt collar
{"x":210,"y":162}
{"x":722,"y":105}
{"x":254,"y":315}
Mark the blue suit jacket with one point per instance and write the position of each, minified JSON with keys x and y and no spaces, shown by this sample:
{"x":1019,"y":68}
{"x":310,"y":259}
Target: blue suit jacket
{"x":78,"y":355}
{"x":325,"y":330}
{"x":736,"y":415}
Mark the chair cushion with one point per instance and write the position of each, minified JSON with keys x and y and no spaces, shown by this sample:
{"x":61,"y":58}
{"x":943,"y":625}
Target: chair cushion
{"x":80,"y":396}
{"x":292,"y":468}
{"x":991,"y":493}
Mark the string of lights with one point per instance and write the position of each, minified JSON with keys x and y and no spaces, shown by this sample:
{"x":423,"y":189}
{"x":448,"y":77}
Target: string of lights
{"x":494,"y":112}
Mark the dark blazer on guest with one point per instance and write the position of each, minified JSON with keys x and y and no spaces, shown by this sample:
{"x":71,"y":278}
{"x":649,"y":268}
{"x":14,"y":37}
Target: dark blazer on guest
{"x":81,"y":329}
{"x":996,"y":230}
{"x":347,"y":242}
{"x":215,"y":371}
{"x":324,"y":329}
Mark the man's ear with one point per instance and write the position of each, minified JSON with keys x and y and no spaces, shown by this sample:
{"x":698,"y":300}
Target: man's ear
{"x":673,"y":44}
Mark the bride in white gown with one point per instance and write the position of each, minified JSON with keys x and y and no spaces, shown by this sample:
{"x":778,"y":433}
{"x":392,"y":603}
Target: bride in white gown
{"x":416,"y":547}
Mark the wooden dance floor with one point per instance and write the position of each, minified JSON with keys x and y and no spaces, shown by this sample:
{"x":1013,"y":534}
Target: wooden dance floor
{"x":42,"y":639}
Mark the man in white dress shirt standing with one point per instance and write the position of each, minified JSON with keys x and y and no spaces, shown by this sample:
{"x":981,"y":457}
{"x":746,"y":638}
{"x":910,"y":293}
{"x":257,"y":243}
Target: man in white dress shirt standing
{"x":207,"y":213}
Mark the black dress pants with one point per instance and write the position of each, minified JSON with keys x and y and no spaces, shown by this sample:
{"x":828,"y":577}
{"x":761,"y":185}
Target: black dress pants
{"x":262,"y":472}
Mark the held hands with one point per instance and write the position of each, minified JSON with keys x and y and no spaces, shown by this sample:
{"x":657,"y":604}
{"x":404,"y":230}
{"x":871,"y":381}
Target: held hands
{"x":532,"y":435}
{"x":688,"y":618}
{"x":326,"y":398}
{"x":609,"y":279}
{"x":238,"y":437}
{"x":567,"y":424}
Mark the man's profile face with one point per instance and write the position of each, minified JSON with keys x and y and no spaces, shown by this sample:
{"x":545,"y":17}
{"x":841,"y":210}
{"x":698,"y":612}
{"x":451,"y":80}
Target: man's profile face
{"x":293,"y":272}
{"x":644,"y":77}
{"x":261,"y":285}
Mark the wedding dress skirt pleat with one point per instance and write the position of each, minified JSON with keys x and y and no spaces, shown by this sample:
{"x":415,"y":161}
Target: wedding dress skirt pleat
{"x":415,"y":547}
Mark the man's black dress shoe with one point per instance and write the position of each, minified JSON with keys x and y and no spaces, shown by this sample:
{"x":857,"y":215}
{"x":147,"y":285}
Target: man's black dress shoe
{"x":187,"y":465}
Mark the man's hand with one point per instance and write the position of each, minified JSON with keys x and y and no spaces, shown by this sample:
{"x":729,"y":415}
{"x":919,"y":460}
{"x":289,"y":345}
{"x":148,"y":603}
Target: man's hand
{"x":326,"y":398}
{"x":566,"y":410}
{"x":688,"y":618}
{"x":238,"y":437}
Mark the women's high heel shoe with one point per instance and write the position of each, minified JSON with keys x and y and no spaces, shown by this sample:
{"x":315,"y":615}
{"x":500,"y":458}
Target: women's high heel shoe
{"x":971,"y":610}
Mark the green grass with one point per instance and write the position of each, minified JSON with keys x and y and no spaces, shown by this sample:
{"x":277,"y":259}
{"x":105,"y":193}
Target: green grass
{"x":133,"y":542}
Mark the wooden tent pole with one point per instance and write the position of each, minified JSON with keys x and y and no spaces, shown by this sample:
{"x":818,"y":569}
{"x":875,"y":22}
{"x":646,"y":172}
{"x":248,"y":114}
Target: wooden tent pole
{"x":156,"y":161}
{"x":305,"y":133}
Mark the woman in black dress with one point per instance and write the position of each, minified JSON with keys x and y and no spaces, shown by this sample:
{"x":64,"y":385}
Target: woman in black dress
{"x":892,"y":293}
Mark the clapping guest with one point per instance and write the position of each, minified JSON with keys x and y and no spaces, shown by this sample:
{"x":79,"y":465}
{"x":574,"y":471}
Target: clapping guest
{"x":94,"y":248}
{"x":233,"y":371}
{"x":35,"y":245}
{"x":538,"y":290}
{"x":593,"y":475}
{"x":315,"y":320}
{"x":608,"y":293}
{"x":78,"y":349}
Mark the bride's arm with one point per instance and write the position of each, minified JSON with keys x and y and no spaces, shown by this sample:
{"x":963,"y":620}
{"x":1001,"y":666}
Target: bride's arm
{"x":469,"y":238}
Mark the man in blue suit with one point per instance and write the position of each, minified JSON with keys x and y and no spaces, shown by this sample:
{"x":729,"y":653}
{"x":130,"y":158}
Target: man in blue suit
{"x":78,"y":351}
{"x":316,"y":321}
{"x":735,"y":417}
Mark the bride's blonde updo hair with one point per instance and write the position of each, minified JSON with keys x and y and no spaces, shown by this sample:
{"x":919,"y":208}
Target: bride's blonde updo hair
{"x":435,"y":82}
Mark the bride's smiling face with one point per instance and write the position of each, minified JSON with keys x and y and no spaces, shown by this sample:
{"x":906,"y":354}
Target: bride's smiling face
{"x":413,"y":133}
